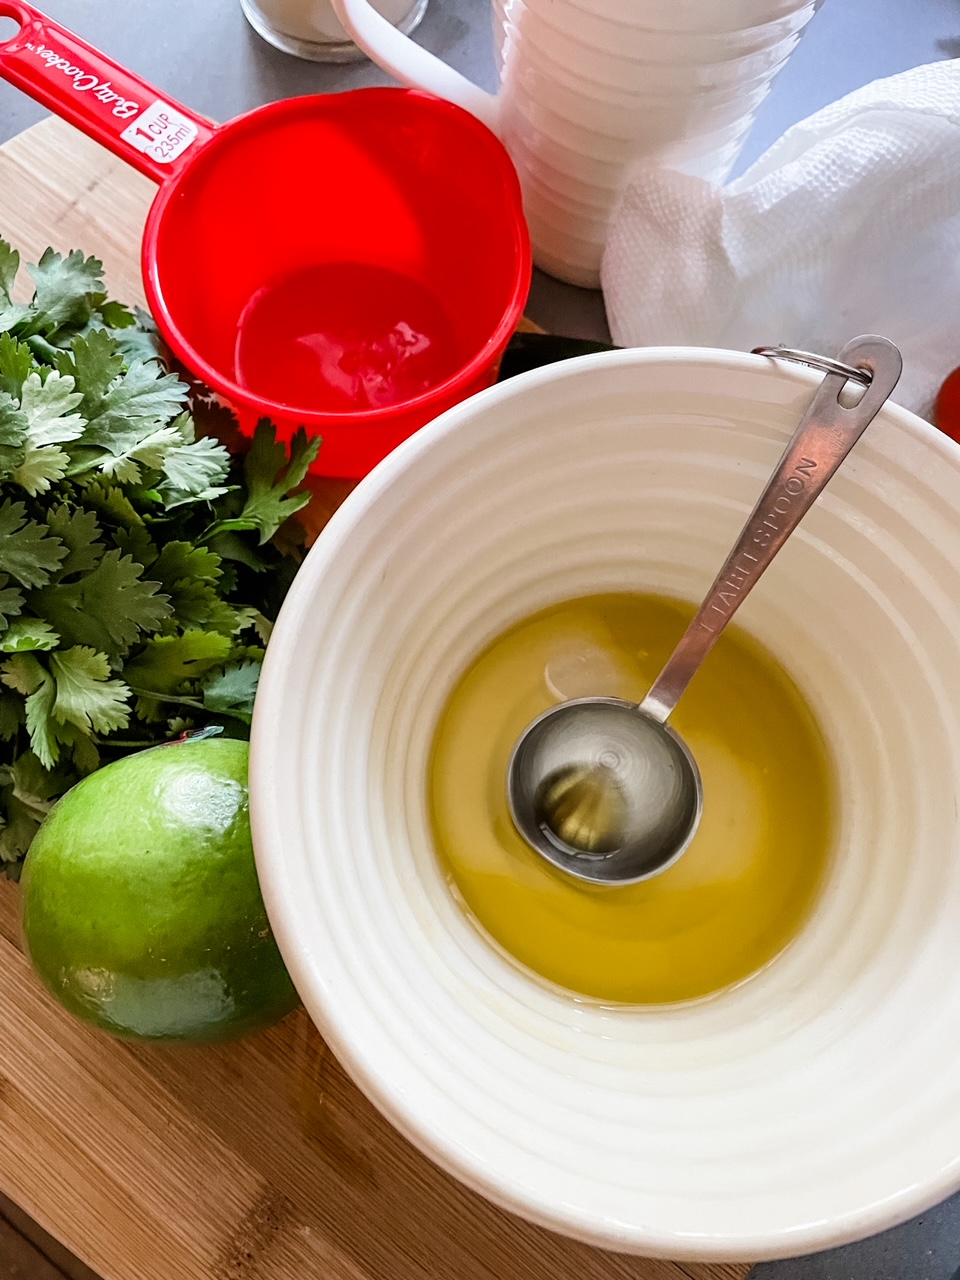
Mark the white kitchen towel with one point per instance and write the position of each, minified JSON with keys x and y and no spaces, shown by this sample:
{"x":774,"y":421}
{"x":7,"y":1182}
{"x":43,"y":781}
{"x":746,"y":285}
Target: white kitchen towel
{"x":849,"y":224}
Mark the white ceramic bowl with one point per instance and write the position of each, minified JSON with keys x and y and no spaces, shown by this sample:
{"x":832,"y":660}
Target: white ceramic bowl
{"x":820,"y":1100}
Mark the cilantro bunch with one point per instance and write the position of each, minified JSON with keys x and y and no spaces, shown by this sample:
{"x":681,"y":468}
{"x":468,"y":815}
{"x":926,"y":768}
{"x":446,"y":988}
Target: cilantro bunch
{"x":139,"y":575}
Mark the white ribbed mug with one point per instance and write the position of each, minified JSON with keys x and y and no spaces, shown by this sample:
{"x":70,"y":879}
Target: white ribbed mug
{"x":591,"y":89}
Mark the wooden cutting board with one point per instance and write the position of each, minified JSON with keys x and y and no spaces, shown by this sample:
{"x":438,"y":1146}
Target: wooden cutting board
{"x":252,"y":1161}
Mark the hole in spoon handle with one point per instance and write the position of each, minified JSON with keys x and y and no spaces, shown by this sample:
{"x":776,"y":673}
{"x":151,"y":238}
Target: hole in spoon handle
{"x":824,"y":437}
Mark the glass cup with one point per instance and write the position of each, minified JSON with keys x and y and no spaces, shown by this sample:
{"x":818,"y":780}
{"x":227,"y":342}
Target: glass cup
{"x":310,"y":29}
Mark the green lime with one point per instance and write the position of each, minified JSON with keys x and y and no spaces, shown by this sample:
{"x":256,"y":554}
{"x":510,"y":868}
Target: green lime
{"x":141,"y":907}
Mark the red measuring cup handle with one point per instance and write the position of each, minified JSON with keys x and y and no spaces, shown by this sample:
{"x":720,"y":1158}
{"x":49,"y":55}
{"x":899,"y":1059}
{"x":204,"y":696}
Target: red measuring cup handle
{"x":78,"y":83}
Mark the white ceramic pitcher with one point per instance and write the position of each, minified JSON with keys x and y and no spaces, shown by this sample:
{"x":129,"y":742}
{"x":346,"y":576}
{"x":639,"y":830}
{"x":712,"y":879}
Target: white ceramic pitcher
{"x":590,"y":89}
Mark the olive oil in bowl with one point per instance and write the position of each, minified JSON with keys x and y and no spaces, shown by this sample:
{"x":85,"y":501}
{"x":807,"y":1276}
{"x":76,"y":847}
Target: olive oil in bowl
{"x":749,"y":880}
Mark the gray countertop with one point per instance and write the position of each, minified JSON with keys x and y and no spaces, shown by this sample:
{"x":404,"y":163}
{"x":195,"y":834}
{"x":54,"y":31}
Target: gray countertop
{"x":203,"y":52}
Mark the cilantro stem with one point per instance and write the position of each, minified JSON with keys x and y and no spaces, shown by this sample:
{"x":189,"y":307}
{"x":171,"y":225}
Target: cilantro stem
{"x":193,"y":703}
{"x":43,"y":350}
{"x":235,"y":525}
{"x":167,"y":697}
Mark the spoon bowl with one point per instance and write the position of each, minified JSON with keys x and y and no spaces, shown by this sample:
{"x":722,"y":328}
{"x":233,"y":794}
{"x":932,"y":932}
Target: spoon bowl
{"x":604,"y":791}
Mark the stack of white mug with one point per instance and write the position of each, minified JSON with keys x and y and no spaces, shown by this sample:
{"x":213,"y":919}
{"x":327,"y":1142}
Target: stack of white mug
{"x":590,"y":90}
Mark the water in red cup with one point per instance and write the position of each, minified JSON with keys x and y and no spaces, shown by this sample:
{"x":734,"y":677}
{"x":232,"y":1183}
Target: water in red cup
{"x":354,"y":263}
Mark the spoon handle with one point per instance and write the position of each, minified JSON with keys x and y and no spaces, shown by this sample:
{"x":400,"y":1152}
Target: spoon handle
{"x":826,"y":434}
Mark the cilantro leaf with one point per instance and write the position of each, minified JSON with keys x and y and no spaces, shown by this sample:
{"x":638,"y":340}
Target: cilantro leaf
{"x":27,"y":552}
{"x":23,"y":673}
{"x":40,"y":723}
{"x":13,"y":435}
{"x":268,"y":506}
{"x":129,"y":426}
{"x":188,"y":575}
{"x":107,"y":609}
{"x":11,"y":600}
{"x":12,"y":316}
{"x":180,"y":560}
{"x":47,"y":404}
{"x":263,"y":626}
{"x":85,"y":755}
{"x":144,"y":394}
{"x":11,"y":313}
{"x":148,"y":445}
{"x":233,"y":690}
{"x":28,"y":792}
{"x":96,"y":360}
{"x":86,"y":696}
{"x":14,"y":426}
{"x":11,"y":715}
{"x":136,"y":542}
{"x":167,"y":662}
{"x":40,"y":469}
{"x":33,"y":784}
{"x":79,"y":532}
{"x":65,"y":289}
{"x":197,"y":604}
{"x":9,"y":266}
{"x":269,"y":481}
{"x":16,"y":364}
{"x":113,"y":504}
{"x":28,"y":635}
{"x":16,"y":830}
{"x":194,"y":472}
{"x":115,"y":315}
{"x":142,"y":342}
{"x":230,"y":546}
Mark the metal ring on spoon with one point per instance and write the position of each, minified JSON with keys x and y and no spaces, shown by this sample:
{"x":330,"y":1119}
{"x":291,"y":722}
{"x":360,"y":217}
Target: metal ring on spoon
{"x":824,"y":363}
{"x":605,"y":789}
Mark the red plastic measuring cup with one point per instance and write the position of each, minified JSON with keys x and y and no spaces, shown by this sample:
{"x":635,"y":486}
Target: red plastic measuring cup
{"x":351,"y":262}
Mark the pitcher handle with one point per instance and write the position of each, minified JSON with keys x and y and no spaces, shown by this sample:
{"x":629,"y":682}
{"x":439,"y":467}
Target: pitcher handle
{"x":152,"y":132}
{"x":411,"y":64}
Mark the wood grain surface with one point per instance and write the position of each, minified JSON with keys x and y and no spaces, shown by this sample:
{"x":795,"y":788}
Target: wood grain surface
{"x":27,"y":1252}
{"x":252,"y":1161}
